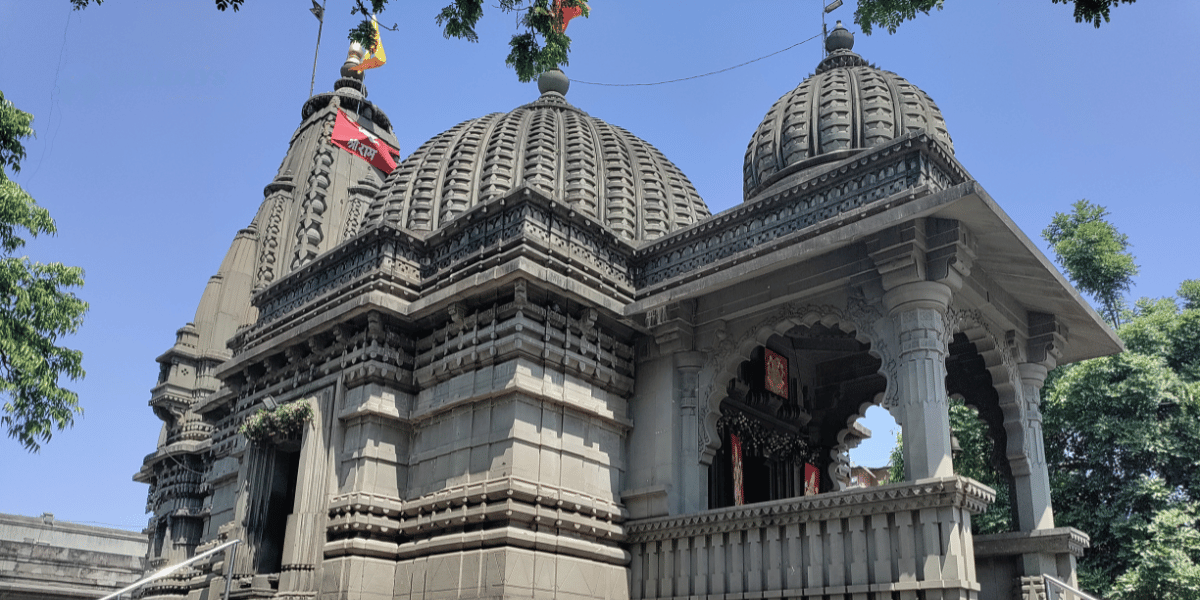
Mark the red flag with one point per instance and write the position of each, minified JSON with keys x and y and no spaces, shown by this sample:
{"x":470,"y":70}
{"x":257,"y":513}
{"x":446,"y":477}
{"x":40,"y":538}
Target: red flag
{"x":352,"y":138}
{"x":739,"y":486}
{"x":566,"y":13}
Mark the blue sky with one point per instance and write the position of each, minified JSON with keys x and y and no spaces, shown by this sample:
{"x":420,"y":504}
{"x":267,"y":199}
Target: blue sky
{"x":159,"y":123}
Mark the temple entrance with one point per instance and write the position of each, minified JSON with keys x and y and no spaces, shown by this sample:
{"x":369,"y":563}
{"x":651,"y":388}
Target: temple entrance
{"x":783,"y":420}
{"x":280,"y":489}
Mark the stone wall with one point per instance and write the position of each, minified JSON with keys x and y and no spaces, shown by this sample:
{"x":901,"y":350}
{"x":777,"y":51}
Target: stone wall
{"x":50,"y":560}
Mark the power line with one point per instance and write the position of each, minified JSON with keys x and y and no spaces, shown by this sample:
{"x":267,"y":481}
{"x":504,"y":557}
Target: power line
{"x":53,"y":88}
{"x":699,"y":76}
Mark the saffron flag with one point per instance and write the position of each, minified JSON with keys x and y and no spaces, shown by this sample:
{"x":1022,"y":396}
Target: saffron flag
{"x":739,"y":488}
{"x":566,"y":13}
{"x":812,"y":480}
{"x":372,"y":59}
{"x":352,"y":138}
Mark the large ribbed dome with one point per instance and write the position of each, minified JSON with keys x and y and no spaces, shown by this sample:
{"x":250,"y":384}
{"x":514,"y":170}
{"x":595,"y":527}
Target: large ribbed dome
{"x":846,"y":106}
{"x":549,"y":146}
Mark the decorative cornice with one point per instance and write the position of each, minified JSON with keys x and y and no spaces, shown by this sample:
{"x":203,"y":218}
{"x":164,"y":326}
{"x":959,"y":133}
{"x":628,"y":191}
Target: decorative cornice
{"x":850,"y":190}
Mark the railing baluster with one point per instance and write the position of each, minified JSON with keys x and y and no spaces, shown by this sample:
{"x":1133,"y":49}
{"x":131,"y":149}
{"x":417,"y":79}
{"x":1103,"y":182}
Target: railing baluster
{"x":683,"y":567}
{"x":719,"y":563}
{"x":884,"y":567}
{"x":637,"y":581}
{"x":859,"y":556}
{"x":754,"y":560}
{"x":666,"y":576}
{"x":737,"y":563}
{"x":774,"y":559}
{"x":701,"y":574}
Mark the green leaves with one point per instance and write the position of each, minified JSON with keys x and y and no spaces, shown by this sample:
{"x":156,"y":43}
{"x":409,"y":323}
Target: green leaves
{"x":36,"y":307}
{"x":1094,"y":254}
{"x":975,"y":461}
{"x":1122,"y":438}
{"x":542,"y":47}
{"x":285,"y":421}
{"x":889,"y":14}
{"x":458,"y":19}
{"x":1093,"y":11}
{"x":1169,"y":565}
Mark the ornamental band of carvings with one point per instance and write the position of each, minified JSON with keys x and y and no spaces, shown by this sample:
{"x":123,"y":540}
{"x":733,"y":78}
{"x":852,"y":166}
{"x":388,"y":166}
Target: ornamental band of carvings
{"x":526,"y":219}
{"x":309,"y":230}
{"x":269,"y":257}
{"x":365,"y":259}
{"x":533,"y":221}
{"x":906,"y":168}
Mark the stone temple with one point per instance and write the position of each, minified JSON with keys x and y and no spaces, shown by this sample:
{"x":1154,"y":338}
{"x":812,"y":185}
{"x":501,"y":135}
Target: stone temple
{"x":533,"y":365}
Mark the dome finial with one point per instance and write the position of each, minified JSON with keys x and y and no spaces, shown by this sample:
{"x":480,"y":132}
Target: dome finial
{"x":354,"y":57}
{"x":554,"y":80}
{"x":839,"y":39}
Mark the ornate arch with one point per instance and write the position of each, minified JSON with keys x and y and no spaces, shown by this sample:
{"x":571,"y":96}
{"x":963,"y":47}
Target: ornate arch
{"x":862,"y":319}
{"x":1000,"y":356}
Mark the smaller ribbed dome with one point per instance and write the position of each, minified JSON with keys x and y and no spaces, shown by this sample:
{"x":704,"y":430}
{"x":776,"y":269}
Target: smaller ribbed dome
{"x":848,"y":105}
{"x":549,"y":146}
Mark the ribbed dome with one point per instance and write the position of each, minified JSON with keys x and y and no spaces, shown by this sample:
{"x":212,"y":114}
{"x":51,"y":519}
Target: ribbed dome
{"x":847,"y":106}
{"x":550,"y":146}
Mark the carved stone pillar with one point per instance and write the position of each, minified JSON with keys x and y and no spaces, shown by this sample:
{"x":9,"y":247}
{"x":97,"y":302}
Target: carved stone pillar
{"x":687,"y":367}
{"x":918,"y":310}
{"x":1032,"y":487}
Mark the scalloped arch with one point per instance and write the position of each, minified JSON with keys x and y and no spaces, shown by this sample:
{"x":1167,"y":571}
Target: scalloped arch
{"x":724,"y":361}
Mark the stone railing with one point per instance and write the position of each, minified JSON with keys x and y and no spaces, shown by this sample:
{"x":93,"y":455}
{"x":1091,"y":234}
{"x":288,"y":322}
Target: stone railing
{"x":897,"y":541}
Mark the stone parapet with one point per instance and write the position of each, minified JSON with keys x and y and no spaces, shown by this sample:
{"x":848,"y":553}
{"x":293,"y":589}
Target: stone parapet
{"x":872,"y":542}
{"x":44,"y":559}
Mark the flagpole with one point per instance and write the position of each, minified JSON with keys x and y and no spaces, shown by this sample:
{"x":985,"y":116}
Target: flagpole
{"x":319,"y":11}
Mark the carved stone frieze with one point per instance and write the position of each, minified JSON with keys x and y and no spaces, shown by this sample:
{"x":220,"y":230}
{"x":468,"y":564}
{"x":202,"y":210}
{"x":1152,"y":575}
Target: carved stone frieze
{"x":270,"y":246}
{"x":903,"y":166}
{"x":310,"y":228}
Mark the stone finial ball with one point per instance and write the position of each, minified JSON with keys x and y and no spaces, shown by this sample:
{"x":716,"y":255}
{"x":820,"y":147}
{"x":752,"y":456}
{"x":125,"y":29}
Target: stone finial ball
{"x":839,"y":39}
{"x":554,"y":80}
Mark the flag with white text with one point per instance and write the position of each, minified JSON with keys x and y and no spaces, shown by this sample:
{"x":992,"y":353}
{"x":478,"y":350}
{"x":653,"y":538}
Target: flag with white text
{"x":353,"y":138}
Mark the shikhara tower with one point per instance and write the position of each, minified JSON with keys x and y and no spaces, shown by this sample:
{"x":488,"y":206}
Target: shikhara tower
{"x":529,"y":348}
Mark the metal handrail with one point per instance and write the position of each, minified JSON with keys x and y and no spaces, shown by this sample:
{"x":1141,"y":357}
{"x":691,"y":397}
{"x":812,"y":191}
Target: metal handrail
{"x":1048,"y":580}
{"x":167,"y":571}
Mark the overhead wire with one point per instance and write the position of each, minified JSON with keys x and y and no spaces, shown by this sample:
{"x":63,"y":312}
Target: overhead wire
{"x":702,"y":75}
{"x":53,"y":89}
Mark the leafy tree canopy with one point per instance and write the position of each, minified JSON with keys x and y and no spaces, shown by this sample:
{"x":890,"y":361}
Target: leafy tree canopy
{"x":889,"y":14}
{"x":1169,"y":568}
{"x":36,"y":306}
{"x":1094,"y":254}
{"x":541,"y":46}
{"x":1122,"y":440}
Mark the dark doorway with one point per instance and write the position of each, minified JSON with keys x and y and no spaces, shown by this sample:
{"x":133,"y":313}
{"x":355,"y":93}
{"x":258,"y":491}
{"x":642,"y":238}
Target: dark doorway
{"x":281,"y":499}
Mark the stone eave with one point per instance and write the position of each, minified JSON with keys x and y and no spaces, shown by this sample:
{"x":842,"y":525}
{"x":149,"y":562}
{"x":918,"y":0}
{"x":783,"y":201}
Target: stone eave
{"x":1005,"y":254}
{"x":1020,"y":268}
